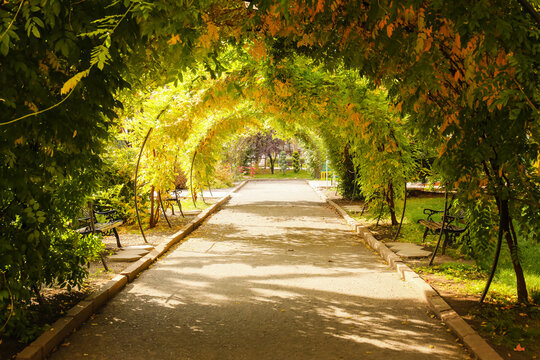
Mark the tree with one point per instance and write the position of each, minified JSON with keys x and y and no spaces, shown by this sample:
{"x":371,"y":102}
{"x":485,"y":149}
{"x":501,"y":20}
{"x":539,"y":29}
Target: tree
{"x":267,"y":144}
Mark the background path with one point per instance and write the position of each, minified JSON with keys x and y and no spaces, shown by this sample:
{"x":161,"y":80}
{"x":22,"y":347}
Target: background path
{"x":274,"y":275}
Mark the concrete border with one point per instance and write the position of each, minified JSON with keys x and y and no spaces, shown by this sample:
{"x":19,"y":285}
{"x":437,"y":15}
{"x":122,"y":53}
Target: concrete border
{"x":474,"y":342}
{"x":77,"y":315}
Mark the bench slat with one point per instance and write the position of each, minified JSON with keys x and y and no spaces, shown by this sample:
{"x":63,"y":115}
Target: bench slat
{"x":108,"y":226}
{"x":434,"y":225}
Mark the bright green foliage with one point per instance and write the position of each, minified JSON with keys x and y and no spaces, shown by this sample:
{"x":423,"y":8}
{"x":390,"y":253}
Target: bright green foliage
{"x":49,"y":162}
{"x":296,"y":161}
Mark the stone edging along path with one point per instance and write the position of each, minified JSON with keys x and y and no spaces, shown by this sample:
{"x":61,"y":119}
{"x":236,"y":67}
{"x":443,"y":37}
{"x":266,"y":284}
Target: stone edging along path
{"x":476,"y":344}
{"x":76,"y":316}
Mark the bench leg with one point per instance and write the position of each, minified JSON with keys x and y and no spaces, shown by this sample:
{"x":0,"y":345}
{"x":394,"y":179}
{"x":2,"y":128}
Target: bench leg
{"x":425,"y":234}
{"x":117,"y":238}
{"x":172,"y":207}
{"x":444,"y":243}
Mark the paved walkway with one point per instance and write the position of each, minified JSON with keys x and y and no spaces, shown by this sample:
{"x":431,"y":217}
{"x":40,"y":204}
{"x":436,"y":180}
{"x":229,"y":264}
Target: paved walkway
{"x":274,"y":275}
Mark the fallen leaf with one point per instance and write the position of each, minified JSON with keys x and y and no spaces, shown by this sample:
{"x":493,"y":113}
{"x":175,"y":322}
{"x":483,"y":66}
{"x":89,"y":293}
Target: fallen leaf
{"x":66,"y":344}
{"x":519,"y":348}
{"x":431,"y":346}
{"x":522,"y":314}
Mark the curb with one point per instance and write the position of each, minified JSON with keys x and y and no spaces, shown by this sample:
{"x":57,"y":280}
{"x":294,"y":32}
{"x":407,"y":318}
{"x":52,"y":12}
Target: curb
{"x":474,"y":342}
{"x":78,"y":314}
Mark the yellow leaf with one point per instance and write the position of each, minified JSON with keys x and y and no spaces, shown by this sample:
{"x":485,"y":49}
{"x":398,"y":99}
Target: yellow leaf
{"x":75,"y":79}
{"x":31,"y":106}
{"x":19,"y":141}
{"x":75,"y":133}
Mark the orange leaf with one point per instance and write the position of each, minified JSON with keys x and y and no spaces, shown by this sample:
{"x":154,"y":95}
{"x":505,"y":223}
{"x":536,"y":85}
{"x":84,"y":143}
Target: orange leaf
{"x":389,"y":30}
{"x":174,"y":39}
{"x":519,"y":348}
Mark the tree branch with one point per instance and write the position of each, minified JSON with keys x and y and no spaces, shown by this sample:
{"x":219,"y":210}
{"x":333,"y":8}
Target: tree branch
{"x":528,"y":8}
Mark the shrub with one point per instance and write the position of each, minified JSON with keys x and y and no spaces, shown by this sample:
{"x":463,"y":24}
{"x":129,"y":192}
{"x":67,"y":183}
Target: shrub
{"x":296,"y":161}
{"x":282,"y":161}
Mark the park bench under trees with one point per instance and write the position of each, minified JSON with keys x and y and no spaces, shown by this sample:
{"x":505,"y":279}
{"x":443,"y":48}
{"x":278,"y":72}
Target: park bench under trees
{"x":175,"y":196}
{"x":453,"y":226}
{"x":99,"y":220}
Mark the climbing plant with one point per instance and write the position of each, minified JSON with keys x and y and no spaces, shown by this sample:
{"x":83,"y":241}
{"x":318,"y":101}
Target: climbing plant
{"x":463,"y":76}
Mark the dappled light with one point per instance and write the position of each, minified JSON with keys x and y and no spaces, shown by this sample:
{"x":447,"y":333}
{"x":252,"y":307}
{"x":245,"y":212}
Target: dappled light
{"x":259,"y":280}
{"x":117,"y":114}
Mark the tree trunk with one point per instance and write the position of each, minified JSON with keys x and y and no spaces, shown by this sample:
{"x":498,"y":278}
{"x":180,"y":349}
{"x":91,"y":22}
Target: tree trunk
{"x":390,"y":202}
{"x":512,"y":243}
{"x":272,"y":160}
{"x":522,"y":293}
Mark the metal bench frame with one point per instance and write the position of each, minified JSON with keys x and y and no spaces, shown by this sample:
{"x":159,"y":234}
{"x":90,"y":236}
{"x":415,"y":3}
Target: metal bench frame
{"x":92,"y":226}
{"x":450,"y":231}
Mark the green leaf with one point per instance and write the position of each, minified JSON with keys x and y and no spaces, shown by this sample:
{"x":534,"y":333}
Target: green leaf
{"x":35,"y":32}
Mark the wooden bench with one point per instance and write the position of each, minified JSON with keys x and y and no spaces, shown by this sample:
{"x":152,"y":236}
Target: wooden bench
{"x":451,"y":228}
{"x":89,"y":224}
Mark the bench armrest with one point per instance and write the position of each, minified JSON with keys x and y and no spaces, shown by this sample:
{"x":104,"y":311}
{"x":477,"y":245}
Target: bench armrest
{"x":431,"y":212}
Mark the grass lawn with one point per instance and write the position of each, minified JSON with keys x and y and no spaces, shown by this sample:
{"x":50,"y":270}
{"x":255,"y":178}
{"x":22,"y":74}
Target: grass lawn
{"x":278,"y":174}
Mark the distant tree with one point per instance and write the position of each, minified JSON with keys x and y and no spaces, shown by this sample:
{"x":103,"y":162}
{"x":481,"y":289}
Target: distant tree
{"x":264,"y":143}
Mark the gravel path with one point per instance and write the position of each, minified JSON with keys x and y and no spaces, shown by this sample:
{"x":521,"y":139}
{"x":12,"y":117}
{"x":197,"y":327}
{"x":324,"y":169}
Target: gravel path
{"x":274,"y":275}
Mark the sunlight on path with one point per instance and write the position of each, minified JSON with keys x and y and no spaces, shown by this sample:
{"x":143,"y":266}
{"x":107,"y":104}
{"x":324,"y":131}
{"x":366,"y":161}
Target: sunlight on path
{"x":274,"y":275}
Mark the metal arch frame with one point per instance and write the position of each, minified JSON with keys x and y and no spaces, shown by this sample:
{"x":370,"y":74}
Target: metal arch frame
{"x":135,"y":184}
